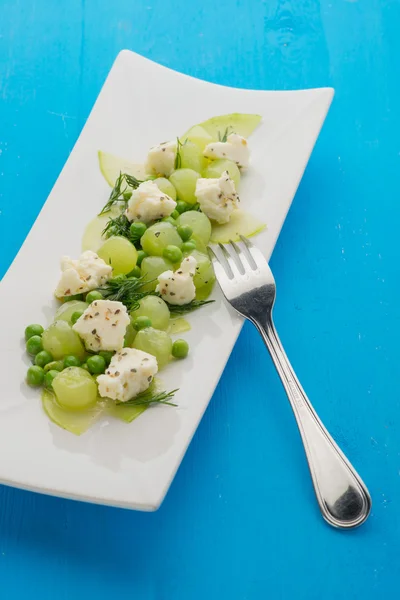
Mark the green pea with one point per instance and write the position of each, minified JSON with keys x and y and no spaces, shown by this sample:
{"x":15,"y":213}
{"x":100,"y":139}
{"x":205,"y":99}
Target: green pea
{"x":136,"y":230}
{"x":189,"y":246}
{"x":136,"y":272}
{"x":180,"y":349}
{"x":55,"y":365}
{"x":75,"y":316}
{"x":49,"y":377}
{"x":71,"y":361}
{"x":107,"y":356}
{"x":34,"y":345}
{"x":172,"y":253}
{"x":93,"y":295}
{"x":96,"y":364}
{"x":74,"y":297}
{"x":140,"y":256}
{"x":174,"y":214}
{"x":32,"y":330}
{"x":182,"y":207}
{"x":35,"y":376}
{"x":42,"y":358}
{"x":141,"y":323}
{"x":185,"y":232}
{"x":169,"y":220}
{"x":119,"y":278}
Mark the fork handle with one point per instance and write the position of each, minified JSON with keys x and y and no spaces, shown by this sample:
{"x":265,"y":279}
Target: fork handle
{"x":342,"y":496}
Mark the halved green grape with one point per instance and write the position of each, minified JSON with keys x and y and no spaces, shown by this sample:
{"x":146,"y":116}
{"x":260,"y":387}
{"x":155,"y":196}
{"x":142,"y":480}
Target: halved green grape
{"x":166,"y":187}
{"x":61,"y":340}
{"x":240,"y":223}
{"x":155,"y":342}
{"x":192,"y":157}
{"x":204,"y":271}
{"x":197,"y":135}
{"x":32,"y":330}
{"x":217,"y":167}
{"x":119,"y":253}
{"x":74,"y":421}
{"x":155,"y":309}
{"x":152,"y":267}
{"x":65,"y":312}
{"x":184,"y":181}
{"x":75,"y":389}
{"x":159,"y":236}
{"x":198,"y":222}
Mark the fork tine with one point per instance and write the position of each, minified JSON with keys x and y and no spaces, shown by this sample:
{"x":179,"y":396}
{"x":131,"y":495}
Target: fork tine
{"x":219,"y":270}
{"x":231,"y":262}
{"x":238,"y":255}
{"x":257,"y":256}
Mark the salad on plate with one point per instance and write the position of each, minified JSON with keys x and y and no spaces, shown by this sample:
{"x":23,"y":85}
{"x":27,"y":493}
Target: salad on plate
{"x":144,"y":267}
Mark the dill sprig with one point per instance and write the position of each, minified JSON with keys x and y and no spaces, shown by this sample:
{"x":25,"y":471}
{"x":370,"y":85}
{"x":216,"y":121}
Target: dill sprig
{"x":183,"y":309}
{"x":117,"y":226}
{"x":128,"y":290}
{"x":224,"y":137}
{"x":178,"y":158}
{"x":120,"y":191}
{"x":150,"y":397}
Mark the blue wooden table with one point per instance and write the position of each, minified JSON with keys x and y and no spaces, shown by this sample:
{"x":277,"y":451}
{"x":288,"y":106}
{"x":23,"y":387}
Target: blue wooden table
{"x":240,"y":521}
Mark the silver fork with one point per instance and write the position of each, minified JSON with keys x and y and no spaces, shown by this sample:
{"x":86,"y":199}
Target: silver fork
{"x":249,"y":286}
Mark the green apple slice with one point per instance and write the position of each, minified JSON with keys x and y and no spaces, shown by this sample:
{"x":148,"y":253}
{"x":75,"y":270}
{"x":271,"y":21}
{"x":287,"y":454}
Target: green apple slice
{"x":241,"y":223}
{"x":178,"y":325}
{"x":77,"y":421}
{"x":92,"y":238}
{"x":111,"y":166}
{"x":240,"y":123}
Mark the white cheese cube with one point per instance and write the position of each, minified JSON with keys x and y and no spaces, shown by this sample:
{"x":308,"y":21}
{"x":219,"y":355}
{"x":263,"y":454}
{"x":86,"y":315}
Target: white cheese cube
{"x":217,"y":197}
{"x":161,"y":159}
{"x":80,"y":276}
{"x":149,"y":203}
{"x":130,"y":372}
{"x":103,"y":325}
{"x":235,"y":149}
{"x":178,"y":288}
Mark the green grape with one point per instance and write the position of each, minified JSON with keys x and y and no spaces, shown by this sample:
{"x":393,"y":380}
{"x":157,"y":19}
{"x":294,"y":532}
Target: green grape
{"x":152,"y":267}
{"x":204,"y":271}
{"x":155,"y":342}
{"x":184,"y":181}
{"x":119,"y":253}
{"x":166,"y":187}
{"x":217,"y":167}
{"x":159,"y":236}
{"x":192,"y":157}
{"x":198,"y":222}
{"x":155,"y":309}
{"x":61,"y":340}
{"x":75,"y":389}
{"x":65,"y":312}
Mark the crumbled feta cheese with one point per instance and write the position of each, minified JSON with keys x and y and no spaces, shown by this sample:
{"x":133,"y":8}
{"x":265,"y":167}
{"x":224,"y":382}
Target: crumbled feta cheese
{"x":178,"y":287}
{"x":103,"y":325}
{"x":217,"y":197}
{"x":235,"y":148}
{"x":149,"y":203}
{"x":130,"y":372}
{"x":161,"y":159}
{"x":80,"y":276}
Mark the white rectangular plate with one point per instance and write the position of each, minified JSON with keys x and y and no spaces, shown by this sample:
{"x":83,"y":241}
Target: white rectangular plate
{"x":114,"y":463}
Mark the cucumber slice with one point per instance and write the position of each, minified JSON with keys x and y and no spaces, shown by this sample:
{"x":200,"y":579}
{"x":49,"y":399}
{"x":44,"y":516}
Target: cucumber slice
{"x":178,"y":325}
{"x":241,"y":223}
{"x":76,"y":422}
{"x":111,"y":166}
{"x":243,"y":124}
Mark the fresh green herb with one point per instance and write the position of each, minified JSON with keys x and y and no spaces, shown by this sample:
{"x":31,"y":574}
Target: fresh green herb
{"x":128,"y":290}
{"x":120,"y":191}
{"x":178,"y":158}
{"x":183,"y":309}
{"x":150,"y":397}
{"x":225,"y":136}
{"x":118,"y":226}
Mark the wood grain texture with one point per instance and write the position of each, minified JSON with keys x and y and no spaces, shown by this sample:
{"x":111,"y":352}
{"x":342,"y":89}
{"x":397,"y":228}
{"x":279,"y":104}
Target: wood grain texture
{"x":240,"y":520}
